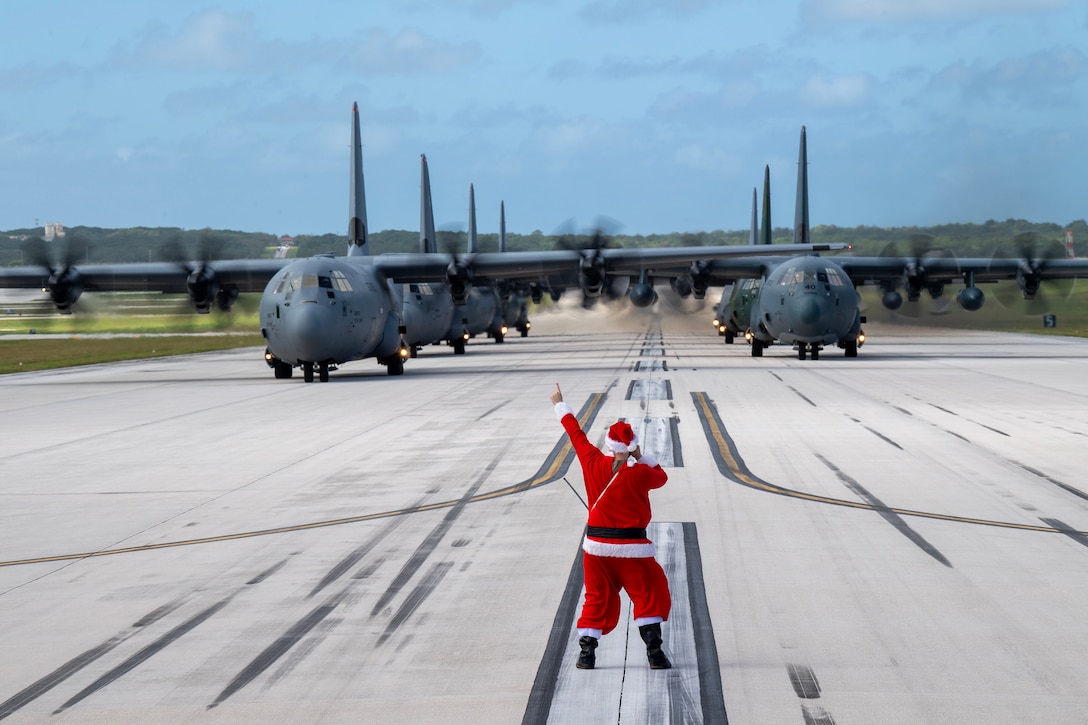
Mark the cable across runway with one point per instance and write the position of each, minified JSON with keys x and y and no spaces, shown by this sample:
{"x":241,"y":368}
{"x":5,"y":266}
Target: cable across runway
{"x":729,"y":461}
{"x":553,"y":468}
{"x":732,"y":466}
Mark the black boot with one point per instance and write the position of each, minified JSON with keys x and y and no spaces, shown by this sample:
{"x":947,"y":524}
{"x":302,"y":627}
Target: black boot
{"x":587,"y":658}
{"x":651,"y":635}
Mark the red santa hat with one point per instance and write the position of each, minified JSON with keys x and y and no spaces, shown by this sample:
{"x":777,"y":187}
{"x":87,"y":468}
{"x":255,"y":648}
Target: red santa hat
{"x":621,"y":438}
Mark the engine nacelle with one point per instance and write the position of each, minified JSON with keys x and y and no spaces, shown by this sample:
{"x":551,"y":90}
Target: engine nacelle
{"x":1029,"y":279}
{"x":642,"y":294}
{"x":65,"y":286}
{"x":700,"y":278}
{"x":683,"y":286}
{"x":226,"y":297}
{"x":591,"y":276}
{"x":460,"y":280}
{"x":203,"y":288}
{"x":971,"y":298}
{"x":914,"y":281}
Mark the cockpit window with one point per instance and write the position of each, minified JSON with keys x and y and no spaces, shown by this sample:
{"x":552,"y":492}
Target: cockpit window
{"x":833,"y":277}
{"x":288,"y":283}
{"x":791,"y":275}
{"x":292,"y":281}
{"x":340,"y":281}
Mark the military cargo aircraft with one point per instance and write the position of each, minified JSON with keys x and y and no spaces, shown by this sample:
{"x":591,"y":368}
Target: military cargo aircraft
{"x":321,"y":312}
{"x":811,"y":302}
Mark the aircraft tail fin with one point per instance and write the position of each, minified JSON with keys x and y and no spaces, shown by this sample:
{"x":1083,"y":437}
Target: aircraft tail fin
{"x":473,"y":244}
{"x":502,"y":226}
{"x":801,"y":229}
{"x":427,"y":238}
{"x":357,"y":227}
{"x":766,"y":230}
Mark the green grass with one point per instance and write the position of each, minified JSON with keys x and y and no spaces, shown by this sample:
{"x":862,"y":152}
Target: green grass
{"x":156,"y":330}
{"x":47,"y":353}
{"x":1005,"y":310}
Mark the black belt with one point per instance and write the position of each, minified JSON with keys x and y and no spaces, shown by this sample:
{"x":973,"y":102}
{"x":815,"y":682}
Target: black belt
{"x":603,"y":532}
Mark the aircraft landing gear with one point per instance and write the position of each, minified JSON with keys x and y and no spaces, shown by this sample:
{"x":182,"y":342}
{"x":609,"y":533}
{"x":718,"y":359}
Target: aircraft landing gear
{"x":395,"y":365}
{"x":323,"y":372}
{"x":281,"y":370}
{"x":802,"y":350}
{"x":851,"y":348}
{"x":757,"y":347}
{"x":308,"y":372}
{"x":729,"y":337}
{"x":459,"y":346}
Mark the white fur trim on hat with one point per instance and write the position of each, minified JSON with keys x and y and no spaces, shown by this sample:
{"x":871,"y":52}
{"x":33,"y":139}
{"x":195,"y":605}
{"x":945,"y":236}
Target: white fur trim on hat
{"x":619,"y":446}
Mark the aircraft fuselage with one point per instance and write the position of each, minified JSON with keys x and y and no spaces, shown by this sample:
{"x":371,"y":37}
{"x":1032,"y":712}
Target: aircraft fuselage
{"x":428,"y":313}
{"x":328,"y":310}
{"x":806,"y":300}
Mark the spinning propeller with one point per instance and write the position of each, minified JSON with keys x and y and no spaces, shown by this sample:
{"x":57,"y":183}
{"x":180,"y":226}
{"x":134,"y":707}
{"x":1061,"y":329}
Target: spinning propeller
{"x":916,"y":278}
{"x":201,"y":281}
{"x":63,"y":281}
{"x":1033,"y":294}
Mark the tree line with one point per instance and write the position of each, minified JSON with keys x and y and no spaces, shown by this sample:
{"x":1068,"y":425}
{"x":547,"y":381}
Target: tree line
{"x":166,"y":244}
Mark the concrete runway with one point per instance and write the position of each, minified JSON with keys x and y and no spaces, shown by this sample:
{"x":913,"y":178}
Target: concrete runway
{"x":896,"y":538}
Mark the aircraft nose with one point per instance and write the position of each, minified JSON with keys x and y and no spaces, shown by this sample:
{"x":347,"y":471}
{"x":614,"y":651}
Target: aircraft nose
{"x":308,"y":324}
{"x":808,"y":310}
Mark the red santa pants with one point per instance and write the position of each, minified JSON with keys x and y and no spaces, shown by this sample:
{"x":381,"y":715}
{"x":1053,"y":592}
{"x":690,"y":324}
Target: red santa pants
{"x":643,"y":579}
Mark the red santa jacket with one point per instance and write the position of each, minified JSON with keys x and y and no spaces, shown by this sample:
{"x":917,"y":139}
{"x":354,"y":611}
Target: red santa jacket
{"x":626,"y":502}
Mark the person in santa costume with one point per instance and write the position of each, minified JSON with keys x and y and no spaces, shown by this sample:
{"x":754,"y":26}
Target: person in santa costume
{"x":616,"y":553}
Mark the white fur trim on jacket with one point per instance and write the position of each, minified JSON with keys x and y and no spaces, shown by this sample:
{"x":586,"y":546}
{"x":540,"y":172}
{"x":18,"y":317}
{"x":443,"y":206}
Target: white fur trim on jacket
{"x":562,"y":409}
{"x":619,"y":551}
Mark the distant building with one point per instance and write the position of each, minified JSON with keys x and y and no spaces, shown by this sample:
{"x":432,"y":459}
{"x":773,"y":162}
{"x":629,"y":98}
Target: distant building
{"x":286,"y":241}
{"x":53,"y":230}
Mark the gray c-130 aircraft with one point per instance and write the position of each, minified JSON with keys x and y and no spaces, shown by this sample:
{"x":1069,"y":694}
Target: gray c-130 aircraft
{"x":323,"y":311}
{"x":810,"y":301}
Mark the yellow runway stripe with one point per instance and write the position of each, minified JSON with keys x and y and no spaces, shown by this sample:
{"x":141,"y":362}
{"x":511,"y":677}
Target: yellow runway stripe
{"x":552,"y":469}
{"x":731,"y":466}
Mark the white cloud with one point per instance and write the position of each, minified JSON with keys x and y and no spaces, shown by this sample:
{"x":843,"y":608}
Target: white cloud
{"x":208,"y":41}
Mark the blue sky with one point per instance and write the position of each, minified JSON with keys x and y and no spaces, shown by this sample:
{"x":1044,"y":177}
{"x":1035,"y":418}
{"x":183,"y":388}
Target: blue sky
{"x":657,"y":114}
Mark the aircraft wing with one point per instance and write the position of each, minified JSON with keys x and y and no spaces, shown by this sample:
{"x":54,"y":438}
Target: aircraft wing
{"x":744,"y":256}
{"x":252,"y":275}
{"x":874,"y":270}
{"x":528,"y":265}
{"x":248,"y":275}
